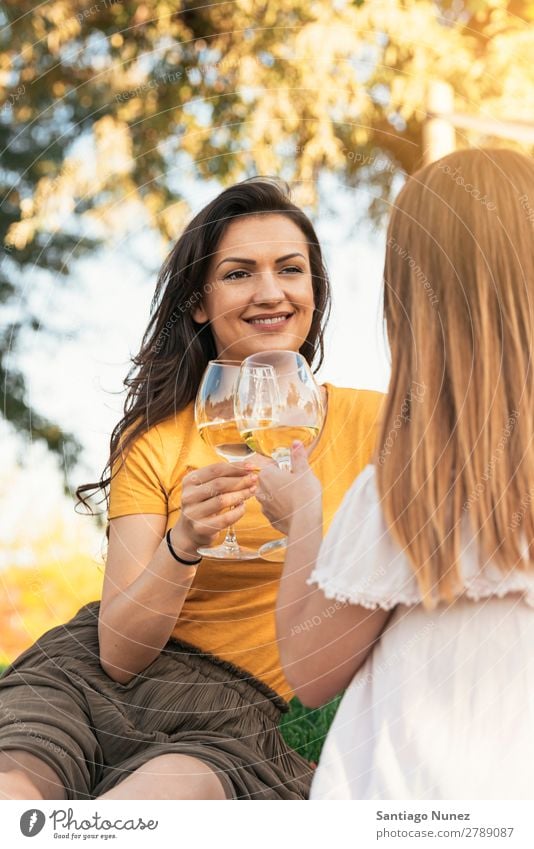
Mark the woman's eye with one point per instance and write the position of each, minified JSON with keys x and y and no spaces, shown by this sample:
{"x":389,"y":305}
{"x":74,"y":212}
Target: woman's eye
{"x":236,"y":275}
{"x":240,"y":273}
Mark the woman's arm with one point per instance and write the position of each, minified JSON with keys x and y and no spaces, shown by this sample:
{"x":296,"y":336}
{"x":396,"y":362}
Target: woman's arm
{"x":144,"y":586}
{"x":144,"y":590}
{"x":322,"y":642}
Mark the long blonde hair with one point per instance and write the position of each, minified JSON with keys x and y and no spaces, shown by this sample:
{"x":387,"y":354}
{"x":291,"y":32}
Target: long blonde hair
{"x":456,"y":445}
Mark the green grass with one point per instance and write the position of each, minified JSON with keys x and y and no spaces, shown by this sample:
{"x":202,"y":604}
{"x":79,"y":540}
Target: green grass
{"x":304,"y":729}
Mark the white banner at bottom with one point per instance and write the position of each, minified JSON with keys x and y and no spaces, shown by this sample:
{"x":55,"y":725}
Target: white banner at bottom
{"x":264,"y":825}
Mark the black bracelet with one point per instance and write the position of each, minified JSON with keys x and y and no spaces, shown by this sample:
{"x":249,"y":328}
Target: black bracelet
{"x":179,"y":559}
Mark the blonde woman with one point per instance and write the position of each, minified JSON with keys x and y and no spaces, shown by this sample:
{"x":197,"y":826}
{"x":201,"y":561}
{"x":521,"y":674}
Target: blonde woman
{"x":423,"y":590}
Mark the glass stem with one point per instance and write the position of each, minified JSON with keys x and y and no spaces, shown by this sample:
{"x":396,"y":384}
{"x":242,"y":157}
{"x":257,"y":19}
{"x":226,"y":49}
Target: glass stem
{"x":230,"y":540}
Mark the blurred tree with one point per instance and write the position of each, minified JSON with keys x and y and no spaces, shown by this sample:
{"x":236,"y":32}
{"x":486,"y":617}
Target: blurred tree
{"x":50,"y":563}
{"x":34,"y":600}
{"x":105,"y":103}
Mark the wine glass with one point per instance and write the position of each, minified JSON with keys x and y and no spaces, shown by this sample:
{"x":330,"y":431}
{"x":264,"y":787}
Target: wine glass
{"x":215,"y":420}
{"x":277,"y":401}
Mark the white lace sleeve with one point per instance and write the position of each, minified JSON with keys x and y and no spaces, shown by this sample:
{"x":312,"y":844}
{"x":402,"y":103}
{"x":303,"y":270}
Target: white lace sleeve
{"x":359,"y":562}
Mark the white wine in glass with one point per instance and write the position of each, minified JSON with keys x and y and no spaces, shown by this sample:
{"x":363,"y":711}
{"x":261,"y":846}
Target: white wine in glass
{"x":215,"y":420}
{"x":277,"y":401}
{"x":275,"y":440}
{"x":225,"y":439}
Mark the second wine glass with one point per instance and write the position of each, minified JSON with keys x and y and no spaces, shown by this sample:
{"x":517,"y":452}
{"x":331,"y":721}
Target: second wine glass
{"x":215,"y":420}
{"x":277,"y":401}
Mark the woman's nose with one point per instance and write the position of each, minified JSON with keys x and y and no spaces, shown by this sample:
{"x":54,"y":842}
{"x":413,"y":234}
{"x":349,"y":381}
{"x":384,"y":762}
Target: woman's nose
{"x":268,"y":287}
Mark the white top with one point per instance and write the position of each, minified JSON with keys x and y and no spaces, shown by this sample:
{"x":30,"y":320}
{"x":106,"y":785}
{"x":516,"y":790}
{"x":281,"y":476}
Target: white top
{"x":443,"y":708}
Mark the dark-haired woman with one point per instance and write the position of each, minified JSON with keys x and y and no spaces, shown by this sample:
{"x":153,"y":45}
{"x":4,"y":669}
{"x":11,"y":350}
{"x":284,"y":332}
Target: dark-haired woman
{"x":171,"y":687}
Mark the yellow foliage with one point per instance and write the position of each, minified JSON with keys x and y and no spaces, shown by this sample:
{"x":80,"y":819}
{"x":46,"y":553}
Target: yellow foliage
{"x":33,"y":600}
{"x":321,"y":76}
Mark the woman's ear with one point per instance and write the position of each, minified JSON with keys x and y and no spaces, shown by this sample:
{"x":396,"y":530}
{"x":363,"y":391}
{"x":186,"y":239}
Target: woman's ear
{"x":199,"y":314}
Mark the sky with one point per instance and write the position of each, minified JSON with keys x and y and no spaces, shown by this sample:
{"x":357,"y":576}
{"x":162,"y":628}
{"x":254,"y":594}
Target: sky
{"x":75,"y":376}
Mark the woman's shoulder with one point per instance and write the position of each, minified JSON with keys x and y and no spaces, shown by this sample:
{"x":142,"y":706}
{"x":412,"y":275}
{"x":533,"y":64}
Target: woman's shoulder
{"x":162,"y":444}
{"x":361,"y":563}
{"x":170,"y":428}
{"x":353,"y":424}
{"x":356,"y":403}
{"x":175,"y":426}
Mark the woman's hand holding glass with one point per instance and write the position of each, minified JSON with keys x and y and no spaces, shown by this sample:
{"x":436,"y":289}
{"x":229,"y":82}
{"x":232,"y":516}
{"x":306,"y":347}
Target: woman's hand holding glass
{"x":213,"y":499}
{"x":283,"y":494}
{"x":215,"y":420}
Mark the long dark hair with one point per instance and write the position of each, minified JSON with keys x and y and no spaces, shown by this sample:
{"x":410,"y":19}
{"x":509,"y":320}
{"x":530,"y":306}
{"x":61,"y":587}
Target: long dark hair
{"x":175,"y":350}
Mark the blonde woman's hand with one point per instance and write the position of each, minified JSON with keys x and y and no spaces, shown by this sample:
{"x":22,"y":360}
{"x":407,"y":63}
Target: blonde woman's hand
{"x":213,"y":498}
{"x":283,"y":494}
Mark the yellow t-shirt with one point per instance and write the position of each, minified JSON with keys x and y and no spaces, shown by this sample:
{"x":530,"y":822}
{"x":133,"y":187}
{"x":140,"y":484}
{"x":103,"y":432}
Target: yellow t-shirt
{"x":229,"y":610}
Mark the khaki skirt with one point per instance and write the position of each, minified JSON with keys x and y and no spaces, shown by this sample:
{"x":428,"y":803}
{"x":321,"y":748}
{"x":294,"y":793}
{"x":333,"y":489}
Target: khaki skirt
{"x":57,"y":703}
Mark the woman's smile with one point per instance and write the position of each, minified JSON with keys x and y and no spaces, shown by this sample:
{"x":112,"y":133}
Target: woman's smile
{"x":270,"y":322}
